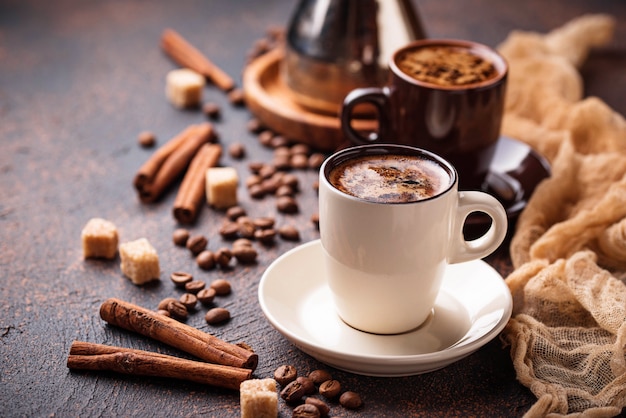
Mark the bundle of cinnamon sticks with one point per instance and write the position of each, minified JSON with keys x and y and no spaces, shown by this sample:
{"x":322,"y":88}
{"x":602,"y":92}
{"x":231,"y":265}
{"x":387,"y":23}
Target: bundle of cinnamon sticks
{"x":230,"y":364}
{"x":190,"y":152}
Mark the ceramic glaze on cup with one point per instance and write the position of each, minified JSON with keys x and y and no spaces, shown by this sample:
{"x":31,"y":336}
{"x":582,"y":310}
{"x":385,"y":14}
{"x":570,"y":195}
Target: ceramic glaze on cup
{"x":458,"y":121}
{"x":385,"y":261}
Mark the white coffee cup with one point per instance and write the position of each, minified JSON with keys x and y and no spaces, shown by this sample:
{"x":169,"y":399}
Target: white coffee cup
{"x":385,"y":261}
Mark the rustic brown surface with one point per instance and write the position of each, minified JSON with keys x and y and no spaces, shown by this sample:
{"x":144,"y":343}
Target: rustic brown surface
{"x":78,"y":82}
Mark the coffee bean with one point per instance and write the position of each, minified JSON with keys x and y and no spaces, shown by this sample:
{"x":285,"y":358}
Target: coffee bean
{"x":246,"y":227}
{"x":287,"y":204}
{"x":293,"y":392}
{"x":195,"y":286}
{"x":350,"y":400}
{"x":180,"y":237}
{"x":236,"y":97}
{"x":300,"y":149}
{"x":180,"y":278}
{"x":206,"y":296}
{"x":265,"y":138}
{"x":289,"y":233}
{"x":264,"y":223}
{"x":189,"y":300}
{"x":237,"y":150}
{"x":211,"y":110}
{"x":330,"y":388}
{"x":282,"y":152}
{"x":315,"y":218}
{"x":235,"y":212}
{"x":319,"y":376}
{"x":299,"y":161}
{"x":280,"y":141}
{"x":265,"y":236}
{"x":285,"y":374}
{"x":163,"y":304}
{"x":221,"y":286}
{"x":307,"y":384}
{"x":267,"y":171}
{"x":306,"y":410}
{"x":196,"y":244}
{"x":291,"y":180}
{"x":319,"y":404}
{"x":223,"y":257}
{"x":316,"y":160}
{"x":255,"y":166}
{"x":163,"y":312}
{"x":284,"y":190}
{"x":244,"y":254}
{"x":216,"y":316}
{"x":282,"y":162}
{"x":177,"y":310}
{"x":270,"y":185}
{"x":205,"y":260}
{"x":229,"y":230}
{"x":253,"y":180}
{"x":254,"y":125}
{"x":242,"y":242}
{"x":256,"y":191}
{"x":146,"y":139}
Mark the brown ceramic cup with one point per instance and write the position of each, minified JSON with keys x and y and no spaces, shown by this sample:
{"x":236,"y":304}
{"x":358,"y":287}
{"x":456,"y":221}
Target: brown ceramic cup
{"x":427,"y":104}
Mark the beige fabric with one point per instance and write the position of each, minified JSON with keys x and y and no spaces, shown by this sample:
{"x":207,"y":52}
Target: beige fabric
{"x":568,"y":329}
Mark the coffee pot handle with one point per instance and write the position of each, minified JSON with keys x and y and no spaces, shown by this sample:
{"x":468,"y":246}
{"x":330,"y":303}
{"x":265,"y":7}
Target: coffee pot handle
{"x":379,"y":98}
{"x":471,"y":202}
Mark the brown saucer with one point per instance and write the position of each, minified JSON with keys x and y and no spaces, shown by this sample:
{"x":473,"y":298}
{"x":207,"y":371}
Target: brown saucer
{"x":515,"y":172}
{"x":271,"y":101}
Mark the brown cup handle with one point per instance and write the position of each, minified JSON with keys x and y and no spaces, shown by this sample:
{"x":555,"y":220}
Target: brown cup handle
{"x":379,"y":97}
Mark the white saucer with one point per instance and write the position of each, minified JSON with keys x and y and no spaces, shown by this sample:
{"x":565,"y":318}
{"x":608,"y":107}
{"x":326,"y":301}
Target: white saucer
{"x":473,"y":306}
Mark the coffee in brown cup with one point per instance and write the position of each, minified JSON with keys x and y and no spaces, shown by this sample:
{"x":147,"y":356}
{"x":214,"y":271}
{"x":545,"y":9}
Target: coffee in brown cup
{"x":444,"y":95}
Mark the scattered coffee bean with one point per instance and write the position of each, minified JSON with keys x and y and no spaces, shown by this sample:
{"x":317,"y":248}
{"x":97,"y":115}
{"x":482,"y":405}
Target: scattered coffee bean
{"x":146,"y":139}
{"x":299,"y":161}
{"x":163,"y":304}
{"x":265,"y":236}
{"x":206,"y":296}
{"x":280,"y":141}
{"x":267,"y":171}
{"x":307,"y":384}
{"x":316,"y":160}
{"x":303,"y":149}
{"x":289,"y":233}
{"x":256,"y":191}
{"x":195,"y":286}
{"x":315,"y":218}
{"x":255,"y":166}
{"x":316,"y":186}
{"x":246,"y":227}
{"x":282,"y":152}
{"x":270,"y":185}
{"x":196,"y":244}
{"x":244,"y":254}
{"x":285,"y":374}
{"x":163,"y":312}
{"x":223,"y":257}
{"x":229,"y":230}
{"x":235,"y":212}
{"x":180,"y":278}
{"x":189,"y":300}
{"x":264,"y":222}
{"x":254,"y":125}
{"x":265,"y":138}
{"x":319,"y":404}
{"x":350,"y":400}
{"x":237,"y":150}
{"x":306,"y":410}
{"x":292,"y":181}
{"x":177,"y":310}
{"x":242,"y":242}
{"x":236,"y":97}
{"x":287,"y":204}
{"x":284,"y":190}
{"x":330,"y":388}
{"x":205,"y":260}
{"x":180,"y":237}
{"x":211,"y":110}
{"x":216,"y":316}
{"x":282,"y":162}
{"x":319,"y":376}
{"x":293,"y":392}
{"x":222,"y":287}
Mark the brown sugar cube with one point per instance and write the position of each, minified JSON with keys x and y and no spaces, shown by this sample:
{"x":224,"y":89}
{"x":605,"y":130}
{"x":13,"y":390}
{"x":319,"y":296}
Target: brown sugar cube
{"x":221,"y":187}
{"x":258,"y":398}
{"x":183,"y":87}
{"x":100,"y":239}
{"x":140,"y":261}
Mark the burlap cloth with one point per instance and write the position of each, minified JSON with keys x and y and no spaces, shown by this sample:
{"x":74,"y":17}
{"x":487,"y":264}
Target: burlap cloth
{"x":568,"y":329}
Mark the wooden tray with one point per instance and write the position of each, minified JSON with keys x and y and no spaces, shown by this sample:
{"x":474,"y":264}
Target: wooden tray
{"x":270,"y":100}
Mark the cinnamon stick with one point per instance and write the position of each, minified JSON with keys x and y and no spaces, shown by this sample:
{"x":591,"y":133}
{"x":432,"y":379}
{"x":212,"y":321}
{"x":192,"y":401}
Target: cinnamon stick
{"x":192,"y":189}
{"x":176,"y":334}
{"x":148,"y":170}
{"x":89,"y":356}
{"x":176,"y":162}
{"x":186,"y":55}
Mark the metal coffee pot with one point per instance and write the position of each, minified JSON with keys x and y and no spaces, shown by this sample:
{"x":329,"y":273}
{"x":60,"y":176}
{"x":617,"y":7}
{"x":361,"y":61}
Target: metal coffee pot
{"x":335,"y":46}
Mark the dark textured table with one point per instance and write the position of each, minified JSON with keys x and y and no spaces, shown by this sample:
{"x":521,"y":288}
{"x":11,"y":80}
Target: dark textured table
{"x":78,"y":81}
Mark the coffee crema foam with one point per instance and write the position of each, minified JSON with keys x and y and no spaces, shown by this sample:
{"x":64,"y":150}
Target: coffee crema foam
{"x":446,"y":66}
{"x":390,"y":178}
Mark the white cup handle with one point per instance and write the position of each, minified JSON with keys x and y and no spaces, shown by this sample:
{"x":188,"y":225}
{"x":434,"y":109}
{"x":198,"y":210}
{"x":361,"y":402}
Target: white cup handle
{"x":469,"y":202}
